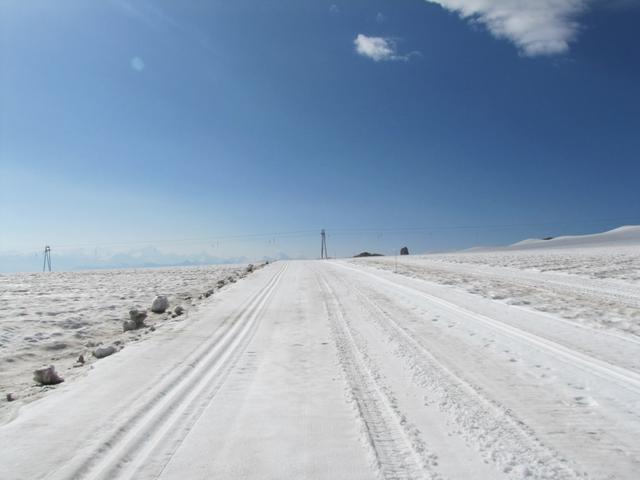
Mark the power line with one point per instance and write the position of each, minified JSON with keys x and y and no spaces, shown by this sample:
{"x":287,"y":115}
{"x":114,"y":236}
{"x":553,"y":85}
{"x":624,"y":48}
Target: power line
{"x":344,"y":231}
{"x":212,"y":239}
{"x":434,"y":228}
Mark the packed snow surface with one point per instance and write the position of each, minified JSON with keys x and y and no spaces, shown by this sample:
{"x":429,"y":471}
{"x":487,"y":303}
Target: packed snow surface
{"x":486,"y":365}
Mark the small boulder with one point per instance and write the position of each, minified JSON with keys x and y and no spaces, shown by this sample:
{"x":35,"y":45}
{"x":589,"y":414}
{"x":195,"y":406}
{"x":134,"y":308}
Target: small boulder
{"x":179,"y":310}
{"x":138,"y":316}
{"x":79,"y":362}
{"x":129,"y":325}
{"x":160,"y":304}
{"x":136,"y":320}
{"x":250,"y":268}
{"x":47,"y":376}
{"x":10,"y":397}
{"x":404,"y":251}
{"x":102,"y":352}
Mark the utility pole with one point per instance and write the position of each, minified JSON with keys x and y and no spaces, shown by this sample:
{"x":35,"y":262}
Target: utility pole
{"x":323,"y":245}
{"x":47,"y":258}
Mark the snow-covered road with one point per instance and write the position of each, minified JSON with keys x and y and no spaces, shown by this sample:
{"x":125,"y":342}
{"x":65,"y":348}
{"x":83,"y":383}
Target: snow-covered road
{"x":341,"y":370}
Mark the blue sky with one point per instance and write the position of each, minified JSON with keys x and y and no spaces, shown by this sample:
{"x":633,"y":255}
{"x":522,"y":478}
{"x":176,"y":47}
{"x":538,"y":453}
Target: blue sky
{"x":127,"y":124}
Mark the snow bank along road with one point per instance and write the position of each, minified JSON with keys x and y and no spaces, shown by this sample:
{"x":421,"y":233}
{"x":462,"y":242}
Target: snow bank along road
{"x":331,"y":369}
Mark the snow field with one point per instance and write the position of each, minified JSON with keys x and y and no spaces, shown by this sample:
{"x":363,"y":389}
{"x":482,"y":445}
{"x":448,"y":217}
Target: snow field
{"x":521,"y":363}
{"x":52,"y":318}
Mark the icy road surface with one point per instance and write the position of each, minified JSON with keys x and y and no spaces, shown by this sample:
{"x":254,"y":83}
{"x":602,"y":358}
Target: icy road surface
{"x":347,"y":370}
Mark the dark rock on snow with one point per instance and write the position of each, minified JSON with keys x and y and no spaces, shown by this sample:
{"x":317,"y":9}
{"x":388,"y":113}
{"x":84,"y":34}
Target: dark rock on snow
{"x":47,"y":376}
{"x":367,"y":254}
{"x":136,"y":319}
{"x":137,"y":316}
{"x":404,"y":251}
{"x":129,"y":325}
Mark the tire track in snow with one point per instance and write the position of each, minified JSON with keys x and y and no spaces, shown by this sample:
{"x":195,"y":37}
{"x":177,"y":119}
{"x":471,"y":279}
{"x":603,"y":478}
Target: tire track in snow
{"x":394,"y":452}
{"x":620,"y":376}
{"x":503,"y":439}
{"x":148,"y":436}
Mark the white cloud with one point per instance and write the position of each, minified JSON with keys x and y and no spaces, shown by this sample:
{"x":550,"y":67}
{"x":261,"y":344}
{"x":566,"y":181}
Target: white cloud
{"x":536,"y":27}
{"x":379,"y":48}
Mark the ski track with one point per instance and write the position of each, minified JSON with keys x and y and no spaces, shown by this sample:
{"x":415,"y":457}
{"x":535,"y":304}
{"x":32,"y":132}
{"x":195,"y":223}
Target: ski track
{"x":606,"y":430}
{"x":396,"y":457}
{"x":610,"y":290}
{"x":621,"y":376}
{"x":159,"y":426}
{"x":606,"y":305}
{"x":503,"y":439}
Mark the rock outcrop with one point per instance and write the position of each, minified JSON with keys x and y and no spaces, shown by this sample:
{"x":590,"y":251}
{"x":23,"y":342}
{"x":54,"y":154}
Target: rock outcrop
{"x":367,"y":254}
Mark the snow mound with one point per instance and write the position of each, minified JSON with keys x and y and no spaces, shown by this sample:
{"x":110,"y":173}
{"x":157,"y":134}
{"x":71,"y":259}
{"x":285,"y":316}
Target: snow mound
{"x":618,"y":237}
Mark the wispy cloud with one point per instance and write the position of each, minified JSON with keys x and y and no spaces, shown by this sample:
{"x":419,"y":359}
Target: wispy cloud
{"x":157,"y":19}
{"x":379,"y":48}
{"x":536,"y":27}
{"x":146,"y":13}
